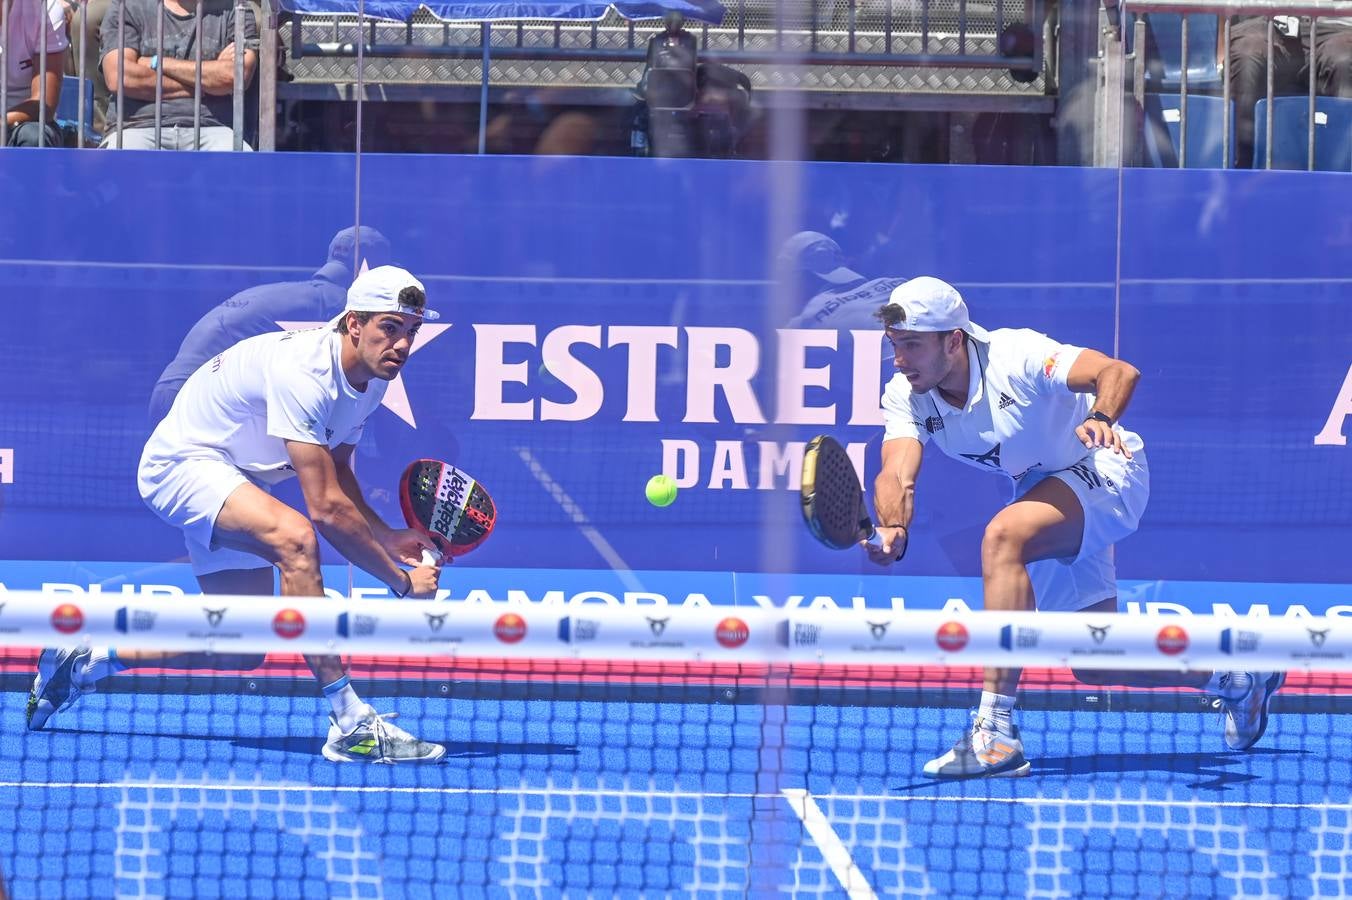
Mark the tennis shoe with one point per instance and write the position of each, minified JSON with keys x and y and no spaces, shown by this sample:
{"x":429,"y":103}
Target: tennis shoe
{"x":374,"y":739}
{"x":1246,"y":717}
{"x":983,"y":752}
{"x":55,"y":687}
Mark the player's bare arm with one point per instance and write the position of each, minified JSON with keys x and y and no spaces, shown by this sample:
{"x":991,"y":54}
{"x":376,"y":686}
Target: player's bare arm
{"x":1112,"y":381}
{"x":404,"y":544}
{"x":894,"y":497}
{"x":341,"y":522}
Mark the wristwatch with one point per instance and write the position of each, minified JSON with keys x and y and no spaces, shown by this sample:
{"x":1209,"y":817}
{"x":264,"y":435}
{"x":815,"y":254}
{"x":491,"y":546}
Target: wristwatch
{"x":1101,"y":417}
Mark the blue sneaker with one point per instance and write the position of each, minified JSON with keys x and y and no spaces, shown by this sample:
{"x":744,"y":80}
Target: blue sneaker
{"x":54,"y":688}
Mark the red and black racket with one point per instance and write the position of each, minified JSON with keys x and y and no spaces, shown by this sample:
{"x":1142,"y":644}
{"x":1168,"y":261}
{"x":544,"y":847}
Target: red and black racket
{"x":447,"y":506}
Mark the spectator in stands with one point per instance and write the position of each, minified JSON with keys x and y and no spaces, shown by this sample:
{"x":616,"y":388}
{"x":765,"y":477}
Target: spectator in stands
{"x":31,"y":22}
{"x":687,"y":107}
{"x":1291,"y":48}
{"x":261,"y":308}
{"x":176,"y":64}
{"x":86,"y":41}
{"x":668,"y":87}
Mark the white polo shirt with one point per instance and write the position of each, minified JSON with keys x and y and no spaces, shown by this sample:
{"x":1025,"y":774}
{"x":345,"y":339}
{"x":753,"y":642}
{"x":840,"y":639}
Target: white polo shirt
{"x":1020,"y":414}
{"x":27,"y":25}
{"x":241,"y":405}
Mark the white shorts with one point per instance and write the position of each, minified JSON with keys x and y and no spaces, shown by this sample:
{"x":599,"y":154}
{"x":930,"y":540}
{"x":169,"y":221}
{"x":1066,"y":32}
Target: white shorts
{"x":1113,"y":492}
{"x":189,"y":494}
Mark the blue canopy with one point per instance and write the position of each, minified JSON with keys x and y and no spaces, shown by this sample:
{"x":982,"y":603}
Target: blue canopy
{"x":498,"y":10}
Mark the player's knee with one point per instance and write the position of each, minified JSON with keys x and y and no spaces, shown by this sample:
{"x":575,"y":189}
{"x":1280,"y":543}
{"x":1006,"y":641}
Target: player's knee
{"x":296,"y":546}
{"x":1002,"y":543}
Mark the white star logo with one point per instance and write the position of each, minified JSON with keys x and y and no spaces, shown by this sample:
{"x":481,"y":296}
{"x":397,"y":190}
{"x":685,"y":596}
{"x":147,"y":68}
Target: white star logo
{"x":396,"y":397}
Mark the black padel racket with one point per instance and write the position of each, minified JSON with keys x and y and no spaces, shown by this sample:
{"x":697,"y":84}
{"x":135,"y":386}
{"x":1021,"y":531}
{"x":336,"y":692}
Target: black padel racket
{"x":832,"y":499}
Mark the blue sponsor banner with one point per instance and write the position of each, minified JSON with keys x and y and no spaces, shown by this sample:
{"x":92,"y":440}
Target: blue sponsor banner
{"x":608,"y":319}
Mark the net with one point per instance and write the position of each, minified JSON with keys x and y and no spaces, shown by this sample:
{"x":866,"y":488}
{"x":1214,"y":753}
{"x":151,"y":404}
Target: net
{"x":711,"y":752}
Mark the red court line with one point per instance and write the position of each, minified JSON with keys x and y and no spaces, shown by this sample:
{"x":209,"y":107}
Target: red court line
{"x":797,"y":675}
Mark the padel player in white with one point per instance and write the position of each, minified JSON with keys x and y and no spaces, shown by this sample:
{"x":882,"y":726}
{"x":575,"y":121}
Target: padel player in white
{"x":1045,"y":415}
{"x":272,"y":407}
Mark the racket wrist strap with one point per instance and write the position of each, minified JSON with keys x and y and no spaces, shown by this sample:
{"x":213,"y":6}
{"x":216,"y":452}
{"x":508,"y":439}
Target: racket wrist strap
{"x":408,"y":582}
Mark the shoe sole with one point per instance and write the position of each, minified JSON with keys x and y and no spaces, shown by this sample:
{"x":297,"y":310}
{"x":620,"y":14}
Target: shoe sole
{"x":1270,"y":687}
{"x":1018,"y":771}
{"x":343,"y":758}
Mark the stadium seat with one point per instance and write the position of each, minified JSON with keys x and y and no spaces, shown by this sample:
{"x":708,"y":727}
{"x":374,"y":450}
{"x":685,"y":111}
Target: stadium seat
{"x":1163,"y":121}
{"x":1164,"y":40}
{"x":68,"y":111}
{"x":1290,"y":123}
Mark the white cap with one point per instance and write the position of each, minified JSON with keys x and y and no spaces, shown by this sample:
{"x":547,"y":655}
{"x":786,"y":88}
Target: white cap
{"x":378,"y":290}
{"x":814,"y":252}
{"x":928,"y":304}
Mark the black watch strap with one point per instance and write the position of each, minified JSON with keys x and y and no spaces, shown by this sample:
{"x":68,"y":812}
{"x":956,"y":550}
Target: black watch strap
{"x":1100,"y":416}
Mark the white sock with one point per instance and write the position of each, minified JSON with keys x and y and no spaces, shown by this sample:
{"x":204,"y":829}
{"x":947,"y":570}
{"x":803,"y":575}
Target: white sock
{"x":997,"y":711}
{"x":347,"y":706}
{"x":102,"y":663}
{"x":1230,"y":685}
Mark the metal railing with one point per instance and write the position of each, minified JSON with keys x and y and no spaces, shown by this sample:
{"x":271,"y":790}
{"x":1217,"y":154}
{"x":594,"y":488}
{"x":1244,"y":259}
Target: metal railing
{"x":827,"y":36}
{"x":950,"y":33}
{"x":1113,"y":144}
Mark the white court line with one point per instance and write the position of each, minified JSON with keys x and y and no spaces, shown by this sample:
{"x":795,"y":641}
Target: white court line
{"x":829,"y":843}
{"x":618,"y":792}
{"x":373,"y":789}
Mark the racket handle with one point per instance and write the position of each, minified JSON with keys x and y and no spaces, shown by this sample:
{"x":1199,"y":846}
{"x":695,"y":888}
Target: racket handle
{"x":430,"y":557}
{"x":870,"y":534}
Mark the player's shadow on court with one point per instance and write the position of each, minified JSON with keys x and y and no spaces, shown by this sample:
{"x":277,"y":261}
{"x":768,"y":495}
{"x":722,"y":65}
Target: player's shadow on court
{"x":1211,"y":769}
{"x":311,"y":746}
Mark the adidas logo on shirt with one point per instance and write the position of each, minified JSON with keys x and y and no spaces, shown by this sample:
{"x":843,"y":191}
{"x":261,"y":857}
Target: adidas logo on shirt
{"x":1006,"y":400}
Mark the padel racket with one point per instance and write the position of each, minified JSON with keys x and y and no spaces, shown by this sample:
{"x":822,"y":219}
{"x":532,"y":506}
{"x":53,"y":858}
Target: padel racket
{"x":832,"y":499}
{"x":447,"y":506}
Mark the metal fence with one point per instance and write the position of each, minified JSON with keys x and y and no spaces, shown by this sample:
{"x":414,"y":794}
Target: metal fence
{"x":1146,"y":101}
{"x":956,"y":48}
{"x":150,"y":67}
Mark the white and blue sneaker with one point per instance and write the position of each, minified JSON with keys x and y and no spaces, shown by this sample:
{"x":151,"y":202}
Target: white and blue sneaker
{"x":55,"y":688}
{"x":983,"y":752}
{"x":1246,"y":716}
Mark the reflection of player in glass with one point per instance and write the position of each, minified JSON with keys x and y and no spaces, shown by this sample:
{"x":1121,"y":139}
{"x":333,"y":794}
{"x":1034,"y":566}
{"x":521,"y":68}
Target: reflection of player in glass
{"x":271,"y":407}
{"x":259,"y":309}
{"x":833,"y":295}
{"x":1045,"y":415}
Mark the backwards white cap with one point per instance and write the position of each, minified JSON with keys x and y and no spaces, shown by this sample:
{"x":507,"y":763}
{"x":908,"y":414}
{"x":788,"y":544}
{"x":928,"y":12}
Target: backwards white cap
{"x":929,"y":304}
{"x":380,"y":290}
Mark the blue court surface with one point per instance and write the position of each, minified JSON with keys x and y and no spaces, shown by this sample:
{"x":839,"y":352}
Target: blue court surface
{"x":162,"y":795}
